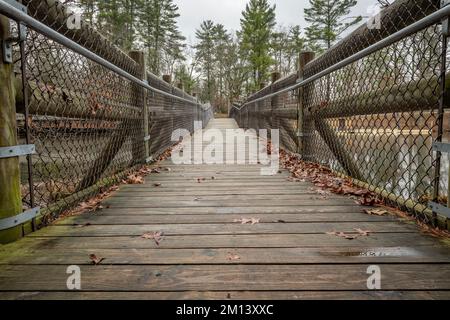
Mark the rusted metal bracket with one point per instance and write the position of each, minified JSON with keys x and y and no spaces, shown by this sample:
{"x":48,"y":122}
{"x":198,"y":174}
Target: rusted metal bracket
{"x":17,"y":151}
{"x":439,"y":209}
{"x":7,"y":45}
{"x":441,"y":147}
{"x":7,"y":51}
{"x":11,"y":222}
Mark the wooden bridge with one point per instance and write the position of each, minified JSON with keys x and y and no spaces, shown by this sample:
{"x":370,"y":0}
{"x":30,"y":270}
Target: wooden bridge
{"x":78,"y":115}
{"x":180,"y":235}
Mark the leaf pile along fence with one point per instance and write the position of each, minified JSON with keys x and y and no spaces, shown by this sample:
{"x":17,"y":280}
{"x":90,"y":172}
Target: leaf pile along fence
{"x":373,"y":107}
{"x":91,"y":125}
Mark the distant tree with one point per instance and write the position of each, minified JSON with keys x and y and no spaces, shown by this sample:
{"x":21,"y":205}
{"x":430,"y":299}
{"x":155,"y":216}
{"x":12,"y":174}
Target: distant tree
{"x":237,"y":72}
{"x":278,"y":47}
{"x":173,"y":52}
{"x":205,"y":54}
{"x":296,"y":44}
{"x":113,"y":20}
{"x":286,"y":45}
{"x":221,"y":43}
{"x":185,"y":77}
{"x":328,"y":21}
{"x":139,"y":24}
{"x":159,"y":33}
{"x":116,"y":19}
{"x":257,"y":26}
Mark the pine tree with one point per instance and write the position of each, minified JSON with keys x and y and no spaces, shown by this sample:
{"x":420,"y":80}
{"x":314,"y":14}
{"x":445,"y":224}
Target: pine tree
{"x":111,"y":19}
{"x":173,"y":51}
{"x":278,"y":47}
{"x":221,"y":42}
{"x":205,"y":53}
{"x":327,"y":21}
{"x":184,"y":76}
{"x":159,"y":33}
{"x":257,"y":23}
{"x":116,"y":19}
{"x":296,"y":44}
{"x":237,"y":70}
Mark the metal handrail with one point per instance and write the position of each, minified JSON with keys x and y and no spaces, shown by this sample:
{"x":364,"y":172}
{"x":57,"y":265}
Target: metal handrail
{"x":19,"y":16}
{"x":401,"y":34}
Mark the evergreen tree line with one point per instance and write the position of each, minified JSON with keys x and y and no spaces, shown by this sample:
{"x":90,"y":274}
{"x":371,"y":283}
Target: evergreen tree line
{"x":149,"y":25}
{"x":222,"y":67}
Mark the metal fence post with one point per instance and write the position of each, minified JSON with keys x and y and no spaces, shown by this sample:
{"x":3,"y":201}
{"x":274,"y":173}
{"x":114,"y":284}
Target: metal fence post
{"x":139,"y":57}
{"x":10,"y":196}
{"x":304,"y":59}
{"x":441,"y":109}
{"x":274,"y":101}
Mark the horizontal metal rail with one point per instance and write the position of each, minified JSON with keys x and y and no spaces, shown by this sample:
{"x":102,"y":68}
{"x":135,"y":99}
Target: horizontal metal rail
{"x":17,"y":15}
{"x":405,"y":32}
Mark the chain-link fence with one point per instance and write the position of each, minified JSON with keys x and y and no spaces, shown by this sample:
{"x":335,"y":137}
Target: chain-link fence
{"x":375,"y":119}
{"x":88,"y":123}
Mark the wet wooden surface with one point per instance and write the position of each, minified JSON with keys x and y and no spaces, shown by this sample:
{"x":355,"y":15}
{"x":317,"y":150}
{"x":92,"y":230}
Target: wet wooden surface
{"x":205,"y":253}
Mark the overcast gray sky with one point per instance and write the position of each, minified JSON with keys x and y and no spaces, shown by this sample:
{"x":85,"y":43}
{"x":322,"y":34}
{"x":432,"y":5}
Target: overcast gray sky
{"x":228,"y":12}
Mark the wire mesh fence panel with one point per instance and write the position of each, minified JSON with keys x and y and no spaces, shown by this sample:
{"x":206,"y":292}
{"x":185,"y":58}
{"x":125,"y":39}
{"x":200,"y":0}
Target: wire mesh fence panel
{"x":375,"y":119}
{"x":86,"y":121}
{"x":380,"y":112}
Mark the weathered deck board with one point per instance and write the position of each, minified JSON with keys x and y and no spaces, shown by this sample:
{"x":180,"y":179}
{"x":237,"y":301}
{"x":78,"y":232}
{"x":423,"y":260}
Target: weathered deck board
{"x":228,"y":295}
{"x":222,"y":228}
{"x":210,"y":218}
{"x":204,"y":254}
{"x":231,"y":241}
{"x":220,"y":256}
{"x":231,"y":210}
{"x":220,"y":277}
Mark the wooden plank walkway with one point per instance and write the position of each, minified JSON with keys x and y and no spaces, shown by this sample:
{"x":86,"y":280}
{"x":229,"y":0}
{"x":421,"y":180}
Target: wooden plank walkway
{"x":205,"y":254}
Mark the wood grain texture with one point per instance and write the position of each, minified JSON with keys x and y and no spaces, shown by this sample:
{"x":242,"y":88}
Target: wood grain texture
{"x":222,"y":256}
{"x":223,"y":218}
{"x":229,"y":295}
{"x":204,"y":254}
{"x":221,"y":277}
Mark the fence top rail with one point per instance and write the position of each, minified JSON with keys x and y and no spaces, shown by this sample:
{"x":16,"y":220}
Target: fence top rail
{"x":19,"y":16}
{"x":399,"y":35}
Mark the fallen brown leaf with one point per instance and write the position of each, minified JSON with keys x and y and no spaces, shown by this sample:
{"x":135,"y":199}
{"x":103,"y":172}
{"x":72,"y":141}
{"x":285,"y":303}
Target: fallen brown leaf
{"x":82,"y":225}
{"x":156,"y":236}
{"x":369,"y":201}
{"x":376,"y":212}
{"x":95,"y":260}
{"x":363,"y":233}
{"x":343,"y":235}
{"x":135,"y":179}
{"x":252,"y":221}
{"x":233,"y":256}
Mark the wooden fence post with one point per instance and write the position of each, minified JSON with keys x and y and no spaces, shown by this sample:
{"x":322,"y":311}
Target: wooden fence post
{"x":273,"y":104}
{"x":10,"y":195}
{"x":167,"y":78}
{"x":139,"y":57}
{"x":323,"y":128}
{"x":304,"y":59}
